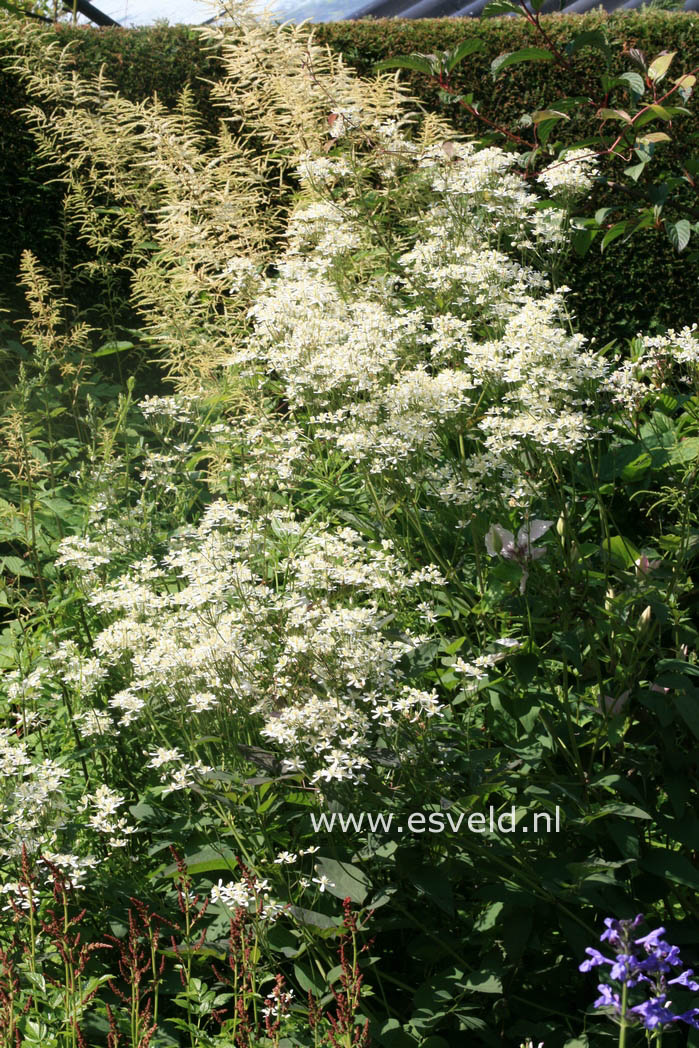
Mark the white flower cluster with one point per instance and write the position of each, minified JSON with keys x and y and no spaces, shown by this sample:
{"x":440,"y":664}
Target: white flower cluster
{"x":103,"y":806}
{"x":571,"y":175}
{"x":389,"y":370}
{"x":654,"y":362}
{"x":248,"y":894}
{"x":30,"y":803}
{"x":203,"y":633}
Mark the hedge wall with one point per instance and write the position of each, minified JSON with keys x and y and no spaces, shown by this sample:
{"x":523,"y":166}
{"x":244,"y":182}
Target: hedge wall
{"x":647,"y":283}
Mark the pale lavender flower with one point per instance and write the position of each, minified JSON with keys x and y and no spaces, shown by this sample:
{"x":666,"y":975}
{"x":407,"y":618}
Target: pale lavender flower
{"x":501,"y":542}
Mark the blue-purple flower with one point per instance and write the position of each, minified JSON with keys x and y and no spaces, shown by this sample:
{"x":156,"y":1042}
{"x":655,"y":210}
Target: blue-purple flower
{"x":640,"y":965}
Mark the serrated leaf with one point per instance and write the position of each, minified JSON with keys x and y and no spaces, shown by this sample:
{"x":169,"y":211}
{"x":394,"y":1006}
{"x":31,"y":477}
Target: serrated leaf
{"x":527,"y":54}
{"x":686,"y":451}
{"x":468,"y":47}
{"x":660,"y":65}
{"x":679,"y":234}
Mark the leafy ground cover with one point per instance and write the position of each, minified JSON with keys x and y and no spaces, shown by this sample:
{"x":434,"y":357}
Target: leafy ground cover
{"x":392,"y":541}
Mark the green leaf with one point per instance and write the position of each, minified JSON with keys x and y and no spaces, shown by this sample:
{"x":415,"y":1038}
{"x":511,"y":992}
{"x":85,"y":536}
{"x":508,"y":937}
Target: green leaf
{"x":614,"y":114}
{"x":484,"y":982}
{"x":679,"y":234}
{"x":205,"y":861}
{"x":112,"y":347}
{"x":612,"y":234}
{"x":314,"y":919}
{"x":489,"y":918}
{"x":627,"y":811}
{"x":16,"y":566}
{"x":436,"y":885}
{"x":595,"y":38}
{"x":525,"y":667}
{"x":635,"y":170}
{"x":418,"y":63}
{"x":655,"y":136}
{"x":346,"y":880}
{"x":527,"y":54}
{"x":310,"y":980}
{"x":621,"y":551}
{"x":548,"y":114}
{"x":686,"y":451}
{"x":660,"y":65}
{"x":500,"y":7}
{"x":582,"y":240}
{"x":634,"y":82}
{"x":687,"y":705}
{"x":394,"y":1035}
{"x":671,"y":866}
{"x":468,"y":47}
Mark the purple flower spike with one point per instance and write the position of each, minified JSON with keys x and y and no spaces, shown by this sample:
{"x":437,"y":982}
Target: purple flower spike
{"x":643,"y":967}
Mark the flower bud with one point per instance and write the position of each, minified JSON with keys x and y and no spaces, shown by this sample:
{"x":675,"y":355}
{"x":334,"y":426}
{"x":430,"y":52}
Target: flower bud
{"x":561,"y":525}
{"x":642,"y":565}
{"x":645,"y":618}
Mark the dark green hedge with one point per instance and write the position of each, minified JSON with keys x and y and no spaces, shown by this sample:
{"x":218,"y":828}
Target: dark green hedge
{"x":522,"y":88}
{"x":639,"y":285}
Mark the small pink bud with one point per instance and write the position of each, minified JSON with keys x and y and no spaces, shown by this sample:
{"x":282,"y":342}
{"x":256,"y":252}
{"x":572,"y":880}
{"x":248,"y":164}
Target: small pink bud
{"x":644,"y":566}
